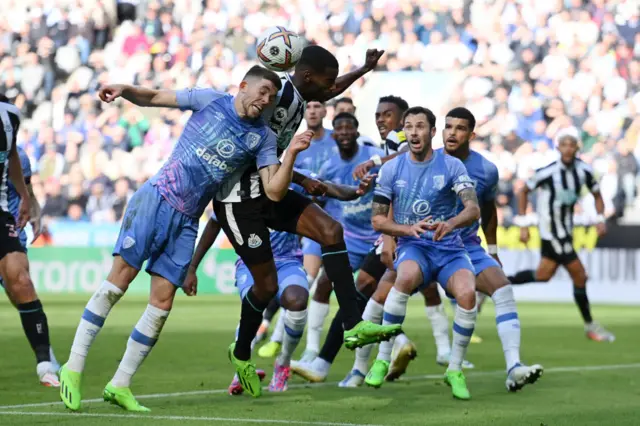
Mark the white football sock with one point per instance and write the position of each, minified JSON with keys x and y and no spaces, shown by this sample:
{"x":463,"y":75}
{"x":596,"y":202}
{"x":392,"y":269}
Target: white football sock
{"x":440,"y":327}
{"x":508,"y":324}
{"x":372,"y":312}
{"x":278,"y":330}
{"x":293,"y":325}
{"x":143,"y":337}
{"x":395,"y":309}
{"x":317,"y":314}
{"x":93,"y":317}
{"x":463,"y":324}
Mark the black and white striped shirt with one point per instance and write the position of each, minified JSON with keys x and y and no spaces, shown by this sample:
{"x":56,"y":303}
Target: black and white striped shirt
{"x":395,"y":141}
{"x":559,"y":189}
{"x":10,"y":122}
{"x":284,"y":118}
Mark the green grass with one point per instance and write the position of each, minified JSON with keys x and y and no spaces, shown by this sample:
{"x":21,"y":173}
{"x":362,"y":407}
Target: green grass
{"x":191,"y":356}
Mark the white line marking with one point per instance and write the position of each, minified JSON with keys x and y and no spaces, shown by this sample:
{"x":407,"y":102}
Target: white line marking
{"x":314,"y":385}
{"x":181,"y":418}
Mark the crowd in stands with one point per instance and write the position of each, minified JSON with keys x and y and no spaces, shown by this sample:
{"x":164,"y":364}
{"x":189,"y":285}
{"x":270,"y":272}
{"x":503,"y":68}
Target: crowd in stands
{"x":531,"y":69}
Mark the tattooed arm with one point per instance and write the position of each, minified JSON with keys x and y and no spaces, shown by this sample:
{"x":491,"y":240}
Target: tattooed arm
{"x":471,"y":211}
{"x":382,"y":222}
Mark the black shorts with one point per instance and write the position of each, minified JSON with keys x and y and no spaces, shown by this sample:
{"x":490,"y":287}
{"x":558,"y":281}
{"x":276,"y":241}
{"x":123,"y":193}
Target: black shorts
{"x":247,"y":223}
{"x":9,"y":235}
{"x":560,"y":251}
{"x":372,"y":264}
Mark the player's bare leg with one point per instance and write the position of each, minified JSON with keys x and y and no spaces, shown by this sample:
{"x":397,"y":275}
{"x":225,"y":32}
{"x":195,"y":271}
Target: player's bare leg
{"x":493,"y":282}
{"x":93,"y":318}
{"x":593,"y":330}
{"x":546,"y":270}
{"x":142,"y":340}
{"x":316,"y":224}
{"x":14,"y":270}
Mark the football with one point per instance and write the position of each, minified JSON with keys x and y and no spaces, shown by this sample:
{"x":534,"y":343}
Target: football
{"x":279,"y":49}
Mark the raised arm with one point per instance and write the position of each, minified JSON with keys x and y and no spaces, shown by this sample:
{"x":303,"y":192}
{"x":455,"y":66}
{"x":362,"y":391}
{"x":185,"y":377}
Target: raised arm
{"x":140,"y":96}
{"x":347,"y":192}
{"x":344,"y":81}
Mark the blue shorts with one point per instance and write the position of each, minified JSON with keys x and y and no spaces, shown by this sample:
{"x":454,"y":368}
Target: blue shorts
{"x":290,"y":272}
{"x":480,"y":259}
{"x":311,"y":248}
{"x":357,"y":250}
{"x":437,"y":264}
{"x":155,"y":231}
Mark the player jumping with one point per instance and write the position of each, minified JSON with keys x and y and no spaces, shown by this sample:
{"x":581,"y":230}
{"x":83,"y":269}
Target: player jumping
{"x":224,"y":134}
{"x":423,"y":188}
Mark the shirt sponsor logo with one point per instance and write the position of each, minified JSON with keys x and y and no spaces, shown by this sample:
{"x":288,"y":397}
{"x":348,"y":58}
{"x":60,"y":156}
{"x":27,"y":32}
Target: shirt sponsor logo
{"x":213,"y":159}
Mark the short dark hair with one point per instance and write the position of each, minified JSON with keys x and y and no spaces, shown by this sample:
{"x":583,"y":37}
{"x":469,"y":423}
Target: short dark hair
{"x":464,"y":114}
{"x":416,"y":110}
{"x":397,"y":101}
{"x":344,"y":100}
{"x":345,"y":116}
{"x":317,"y":59}
{"x":257,"y":71}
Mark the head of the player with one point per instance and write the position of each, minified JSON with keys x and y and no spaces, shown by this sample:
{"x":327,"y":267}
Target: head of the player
{"x":568,"y":146}
{"x":257,"y":90}
{"x":314,"y":115}
{"x":419,"y":125}
{"x":389,"y":114}
{"x":345,"y":105}
{"x":345,"y":132}
{"x":458,"y":132}
{"x":316,"y":73}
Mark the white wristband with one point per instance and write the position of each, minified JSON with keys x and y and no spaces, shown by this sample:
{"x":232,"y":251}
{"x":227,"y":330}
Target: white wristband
{"x":492,"y":249}
{"x":600,"y":219}
{"x":376,"y":160}
{"x":520,"y":221}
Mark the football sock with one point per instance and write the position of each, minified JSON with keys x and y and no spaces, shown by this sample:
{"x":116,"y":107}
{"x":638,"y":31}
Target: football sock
{"x":36,"y":328}
{"x":508,"y":324}
{"x":395,"y":309}
{"x":294,"y":322}
{"x":463,"y":325}
{"x":580,"y":296}
{"x":317,"y":314}
{"x":523,"y":277}
{"x":250,"y":319}
{"x":338,"y":269}
{"x":440,"y":328}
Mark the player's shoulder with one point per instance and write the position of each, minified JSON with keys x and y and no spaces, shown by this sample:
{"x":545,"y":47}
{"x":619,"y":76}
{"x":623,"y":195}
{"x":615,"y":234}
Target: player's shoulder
{"x":372,"y":150}
{"x":449,"y":160}
{"x":583,"y":165}
{"x":487,"y":166}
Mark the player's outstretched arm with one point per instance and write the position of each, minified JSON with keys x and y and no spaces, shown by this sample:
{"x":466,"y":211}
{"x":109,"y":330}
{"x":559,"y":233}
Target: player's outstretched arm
{"x":344,"y":81}
{"x":140,"y":96}
{"x":348,"y":192}
{"x":277,"y":177}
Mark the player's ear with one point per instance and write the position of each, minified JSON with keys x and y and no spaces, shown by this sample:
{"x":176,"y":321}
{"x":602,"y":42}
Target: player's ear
{"x":243,"y":85}
{"x":472,"y":136}
{"x":433,"y":132}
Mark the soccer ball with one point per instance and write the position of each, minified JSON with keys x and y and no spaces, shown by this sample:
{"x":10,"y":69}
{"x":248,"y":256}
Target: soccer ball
{"x":279,"y":49}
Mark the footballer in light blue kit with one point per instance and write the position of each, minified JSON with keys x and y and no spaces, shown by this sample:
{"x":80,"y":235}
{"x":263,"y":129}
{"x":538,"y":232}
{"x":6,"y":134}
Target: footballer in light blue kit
{"x":293,"y":287}
{"x":490,"y":278}
{"x":323,"y":147}
{"x":223,"y":136}
{"x":423,"y":188}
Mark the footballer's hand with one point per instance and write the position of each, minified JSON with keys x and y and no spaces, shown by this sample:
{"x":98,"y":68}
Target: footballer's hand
{"x":441,"y":230}
{"x":524,"y":235}
{"x":110,"y":93}
{"x":366,"y":184}
{"x":417,"y":229}
{"x":301,"y":142}
{"x":190,"y":285}
{"x":314,"y":187}
{"x":362,"y":169}
{"x":601,"y":229}
{"x":371,"y":59}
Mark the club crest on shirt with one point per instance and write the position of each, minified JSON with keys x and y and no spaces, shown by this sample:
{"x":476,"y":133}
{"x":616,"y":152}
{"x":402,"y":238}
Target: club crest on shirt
{"x":253,"y":139}
{"x":438,"y":182}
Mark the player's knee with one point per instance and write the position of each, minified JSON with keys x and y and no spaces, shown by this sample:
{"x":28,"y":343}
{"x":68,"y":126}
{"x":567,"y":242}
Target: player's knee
{"x":20,"y":286}
{"x":295,"y":298}
{"x":466,"y":297}
{"x":331,"y":233}
{"x":121,"y":273}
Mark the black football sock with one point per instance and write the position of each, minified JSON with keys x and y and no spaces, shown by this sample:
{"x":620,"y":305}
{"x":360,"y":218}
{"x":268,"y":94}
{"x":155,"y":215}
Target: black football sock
{"x":338,"y":269}
{"x":523,"y":277}
{"x":580,"y":296}
{"x":335,"y":338}
{"x":250,"y":319}
{"x":271,"y":310}
{"x":36,"y":328}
